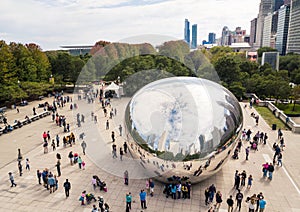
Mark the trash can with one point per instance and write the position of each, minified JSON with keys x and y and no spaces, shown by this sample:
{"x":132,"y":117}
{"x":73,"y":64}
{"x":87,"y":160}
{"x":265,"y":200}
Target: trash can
{"x":274,"y":126}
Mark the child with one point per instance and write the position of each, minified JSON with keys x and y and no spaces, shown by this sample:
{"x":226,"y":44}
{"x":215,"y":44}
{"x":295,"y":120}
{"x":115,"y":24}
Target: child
{"x":27,"y":164}
{"x":250,"y":179}
{"x":83,"y":165}
{"x":53,"y":145}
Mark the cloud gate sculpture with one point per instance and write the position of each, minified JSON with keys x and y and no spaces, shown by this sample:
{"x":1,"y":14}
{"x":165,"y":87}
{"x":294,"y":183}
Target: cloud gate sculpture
{"x":183,"y":127}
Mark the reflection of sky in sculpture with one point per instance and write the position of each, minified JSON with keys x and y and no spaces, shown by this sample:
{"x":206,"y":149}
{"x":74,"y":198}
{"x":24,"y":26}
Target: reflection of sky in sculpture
{"x":181,"y":114}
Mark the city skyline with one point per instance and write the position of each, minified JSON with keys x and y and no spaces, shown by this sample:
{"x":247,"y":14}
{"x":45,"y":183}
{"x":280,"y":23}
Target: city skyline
{"x":51,"y":24}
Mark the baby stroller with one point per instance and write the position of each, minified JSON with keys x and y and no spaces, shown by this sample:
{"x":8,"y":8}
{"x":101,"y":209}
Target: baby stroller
{"x":89,"y":198}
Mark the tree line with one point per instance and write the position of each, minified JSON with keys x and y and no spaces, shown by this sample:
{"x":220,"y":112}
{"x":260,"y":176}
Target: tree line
{"x":25,"y":70}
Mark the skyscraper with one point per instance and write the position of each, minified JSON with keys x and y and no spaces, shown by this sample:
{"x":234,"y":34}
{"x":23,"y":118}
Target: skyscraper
{"x":212,"y":37}
{"x":265,"y":8}
{"x":226,"y":38}
{"x":253,"y":31}
{"x":282,"y":29}
{"x":294,"y":28}
{"x":194,"y":36}
{"x":187,"y":31}
{"x":277,"y":4}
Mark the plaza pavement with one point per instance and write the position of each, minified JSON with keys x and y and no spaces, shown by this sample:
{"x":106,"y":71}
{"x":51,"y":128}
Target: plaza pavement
{"x":282,"y":194}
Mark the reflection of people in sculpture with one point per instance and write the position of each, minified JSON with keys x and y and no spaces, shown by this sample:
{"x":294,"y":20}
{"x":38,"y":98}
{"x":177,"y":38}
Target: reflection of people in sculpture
{"x":207,"y":164}
{"x":198,"y":171}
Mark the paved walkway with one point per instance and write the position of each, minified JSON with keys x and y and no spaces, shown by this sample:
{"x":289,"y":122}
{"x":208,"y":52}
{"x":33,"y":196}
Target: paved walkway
{"x":282,"y":194}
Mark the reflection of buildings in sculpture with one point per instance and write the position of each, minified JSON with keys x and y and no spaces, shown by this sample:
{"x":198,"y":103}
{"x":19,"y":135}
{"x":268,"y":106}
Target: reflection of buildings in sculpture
{"x":192,"y":149}
{"x":162,"y":142}
{"x":151,"y":140}
{"x":202,"y":142}
{"x":174,"y":147}
{"x":216,"y":134}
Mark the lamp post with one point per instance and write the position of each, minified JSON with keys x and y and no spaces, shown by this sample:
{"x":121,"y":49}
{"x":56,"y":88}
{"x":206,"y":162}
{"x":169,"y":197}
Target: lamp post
{"x":19,"y":83}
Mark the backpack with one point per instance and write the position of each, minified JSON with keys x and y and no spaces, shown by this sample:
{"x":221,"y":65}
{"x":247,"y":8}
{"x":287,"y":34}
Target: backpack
{"x":239,"y":196}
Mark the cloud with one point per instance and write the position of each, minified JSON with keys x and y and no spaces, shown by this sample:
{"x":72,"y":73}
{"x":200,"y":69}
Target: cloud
{"x":52,"y":23}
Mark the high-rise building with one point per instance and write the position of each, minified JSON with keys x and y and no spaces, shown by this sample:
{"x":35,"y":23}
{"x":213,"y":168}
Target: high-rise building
{"x":226,"y":38}
{"x":265,"y":8}
{"x":238,"y":35}
{"x":282,"y":29}
{"x":194,"y":36}
{"x":270,"y":29}
{"x":294,"y":28}
{"x":187,"y":31}
{"x":253,"y":31}
{"x":212,"y":37}
{"x":277,"y":4}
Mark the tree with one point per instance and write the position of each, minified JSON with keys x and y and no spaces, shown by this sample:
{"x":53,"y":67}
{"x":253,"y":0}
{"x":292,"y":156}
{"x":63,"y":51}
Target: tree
{"x":261,"y":50}
{"x":237,"y":89}
{"x":296,"y":95}
{"x":228,"y":69}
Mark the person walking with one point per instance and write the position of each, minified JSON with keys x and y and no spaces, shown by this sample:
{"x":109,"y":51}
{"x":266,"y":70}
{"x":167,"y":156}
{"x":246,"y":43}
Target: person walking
{"x":206,"y":193}
{"x":114,"y":150}
{"x":67,"y":186}
{"x":126,"y":177}
{"x":143,"y":196}
{"x":70,"y":156}
{"x":27,"y":163}
{"x":239,"y":198}
{"x":128,"y":201}
{"x":12,"y":180}
{"x":230,"y":203}
{"x":212,"y":191}
{"x":243,"y":178}
{"x":151,"y":186}
{"x":83,"y":146}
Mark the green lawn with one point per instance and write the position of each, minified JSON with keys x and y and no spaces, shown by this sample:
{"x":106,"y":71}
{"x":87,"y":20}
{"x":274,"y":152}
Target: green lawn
{"x":269,"y":117}
{"x":288,"y":108}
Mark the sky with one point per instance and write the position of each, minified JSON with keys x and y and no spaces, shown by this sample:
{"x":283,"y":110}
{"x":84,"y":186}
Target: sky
{"x":53,"y":23}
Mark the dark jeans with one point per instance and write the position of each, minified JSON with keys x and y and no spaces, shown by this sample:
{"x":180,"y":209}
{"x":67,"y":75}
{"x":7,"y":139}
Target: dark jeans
{"x":239,"y":204}
{"x":143,"y":204}
{"x":126,"y":181}
{"x":128,"y":205}
{"x":67,"y":192}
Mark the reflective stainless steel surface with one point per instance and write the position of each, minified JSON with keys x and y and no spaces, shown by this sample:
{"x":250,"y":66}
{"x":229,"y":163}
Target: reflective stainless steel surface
{"x":183,"y":126}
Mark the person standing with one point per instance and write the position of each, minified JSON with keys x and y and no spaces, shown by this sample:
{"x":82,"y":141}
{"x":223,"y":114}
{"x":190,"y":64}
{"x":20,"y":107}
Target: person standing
{"x":114,"y":150}
{"x":39,"y":176}
{"x":79,"y":160}
{"x":212,"y":191}
{"x":27,"y":164}
{"x":95,"y":209}
{"x":126,"y":177}
{"x":206,"y":193}
{"x":244,"y":176}
{"x":279,"y":159}
{"x":218,"y":200}
{"x":270,"y":170}
{"x":53,"y":145}
{"x":67,"y":186}
{"x":20,"y":169}
{"x":262,"y":204}
{"x":107,"y":125}
{"x":71,"y":157}
{"x":113,"y":136}
{"x":239,"y":198}
{"x":57,"y":140}
{"x":247,"y":152}
{"x":230,"y":203}
{"x":143,"y":196}
{"x":121,"y":153}
{"x":120,"y":129}
{"x":125,"y":147}
{"x":151,"y":186}
{"x":12,"y":180}
{"x":128,"y":201}
{"x":58,"y":168}
{"x":83,"y":145}
{"x":250,"y":180}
